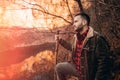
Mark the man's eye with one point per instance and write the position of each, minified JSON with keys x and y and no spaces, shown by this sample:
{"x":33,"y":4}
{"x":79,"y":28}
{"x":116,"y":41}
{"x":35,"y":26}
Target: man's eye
{"x":75,"y":21}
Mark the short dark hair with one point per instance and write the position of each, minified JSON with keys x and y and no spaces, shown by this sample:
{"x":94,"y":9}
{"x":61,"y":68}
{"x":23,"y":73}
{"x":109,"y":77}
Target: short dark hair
{"x":85,"y":16}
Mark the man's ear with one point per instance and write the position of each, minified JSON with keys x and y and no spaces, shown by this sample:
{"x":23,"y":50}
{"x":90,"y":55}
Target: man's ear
{"x":84,"y":22}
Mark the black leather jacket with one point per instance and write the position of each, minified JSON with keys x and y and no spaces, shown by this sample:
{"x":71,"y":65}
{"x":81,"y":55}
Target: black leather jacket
{"x":95,"y":55}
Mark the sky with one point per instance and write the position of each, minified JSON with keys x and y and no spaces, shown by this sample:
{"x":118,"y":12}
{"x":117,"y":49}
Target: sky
{"x":18,"y":15}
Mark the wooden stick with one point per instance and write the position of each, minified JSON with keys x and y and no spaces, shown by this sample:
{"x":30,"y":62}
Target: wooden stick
{"x":56,"y":52}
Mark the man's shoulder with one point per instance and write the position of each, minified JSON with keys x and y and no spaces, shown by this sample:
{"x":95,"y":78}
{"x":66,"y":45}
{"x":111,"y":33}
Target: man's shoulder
{"x":101,"y":37}
{"x":96,"y":33}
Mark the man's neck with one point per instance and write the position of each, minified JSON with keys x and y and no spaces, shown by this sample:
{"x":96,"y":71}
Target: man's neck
{"x":83,"y":29}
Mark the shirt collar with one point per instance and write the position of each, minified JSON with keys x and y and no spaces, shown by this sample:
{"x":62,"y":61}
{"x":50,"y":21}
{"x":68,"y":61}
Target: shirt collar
{"x":82,"y":36}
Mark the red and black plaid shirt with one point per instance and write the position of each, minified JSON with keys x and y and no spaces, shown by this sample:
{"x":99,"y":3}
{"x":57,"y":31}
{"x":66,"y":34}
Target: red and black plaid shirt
{"x":77,"y":60}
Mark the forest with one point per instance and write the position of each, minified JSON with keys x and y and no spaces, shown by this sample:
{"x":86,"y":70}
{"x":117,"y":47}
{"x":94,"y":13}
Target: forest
{"x":28,"y":28}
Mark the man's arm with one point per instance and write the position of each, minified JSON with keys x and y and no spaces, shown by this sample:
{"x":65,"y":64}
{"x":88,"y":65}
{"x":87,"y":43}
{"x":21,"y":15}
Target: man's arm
{"x":66,"y":44}
{"x":102,"y":53}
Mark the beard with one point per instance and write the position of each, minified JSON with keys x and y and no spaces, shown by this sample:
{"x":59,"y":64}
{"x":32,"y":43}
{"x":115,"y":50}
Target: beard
{"x":79,"y":29}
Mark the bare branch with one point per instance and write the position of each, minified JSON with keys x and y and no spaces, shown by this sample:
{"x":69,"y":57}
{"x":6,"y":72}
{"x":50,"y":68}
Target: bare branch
{"x":69,"y":9}
{"x":34,"y":4}
{"x":52,"y":15}
{"x":46,"y":12}
{"x":80,"y":6}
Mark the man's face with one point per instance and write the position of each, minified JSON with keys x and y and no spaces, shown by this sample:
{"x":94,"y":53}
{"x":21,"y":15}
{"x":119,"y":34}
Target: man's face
{"x":78,"y":23}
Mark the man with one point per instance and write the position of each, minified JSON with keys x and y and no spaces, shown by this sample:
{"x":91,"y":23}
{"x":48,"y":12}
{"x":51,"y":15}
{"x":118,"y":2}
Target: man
{"x":90,"y":53}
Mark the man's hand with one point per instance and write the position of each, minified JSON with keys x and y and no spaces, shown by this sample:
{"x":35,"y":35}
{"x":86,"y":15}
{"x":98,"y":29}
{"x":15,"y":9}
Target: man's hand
{"x":57,"y":37}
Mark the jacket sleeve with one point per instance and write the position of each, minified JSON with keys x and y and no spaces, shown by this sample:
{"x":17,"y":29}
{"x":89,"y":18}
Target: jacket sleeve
{"x":66,"y":44}
{"x":102,"y":54}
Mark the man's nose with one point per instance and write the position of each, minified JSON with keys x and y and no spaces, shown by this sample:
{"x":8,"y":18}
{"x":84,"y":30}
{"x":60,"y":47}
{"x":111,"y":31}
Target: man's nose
{"x":74,"y":26}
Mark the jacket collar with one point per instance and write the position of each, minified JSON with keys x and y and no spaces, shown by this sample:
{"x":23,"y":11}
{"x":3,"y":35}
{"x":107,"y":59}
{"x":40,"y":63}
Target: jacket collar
{"x":90,"y":33}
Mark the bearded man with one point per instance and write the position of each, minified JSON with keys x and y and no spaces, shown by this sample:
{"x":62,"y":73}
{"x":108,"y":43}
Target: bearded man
{"x":90,"y":53}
